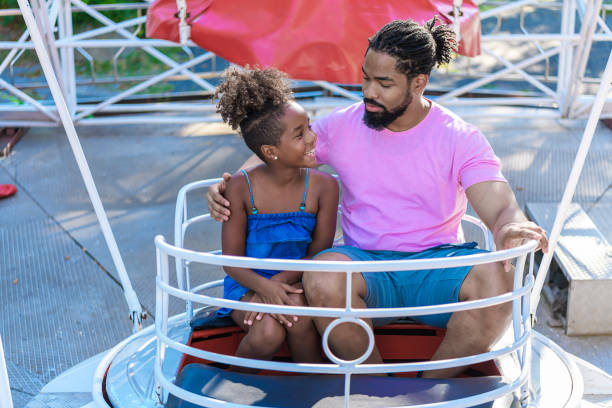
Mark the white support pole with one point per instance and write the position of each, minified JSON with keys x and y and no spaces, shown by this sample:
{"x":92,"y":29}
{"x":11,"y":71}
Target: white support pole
{"x":39,"y":9}
{"x":589,"y":24}
{"x":184,"y":28}
{"x":58,"y":97}
{"x":566,"y":200}
{"x":5,"y":390}
{"x":568,"y":23}
{"x":457,"y":19}
{"x":67,"y":55}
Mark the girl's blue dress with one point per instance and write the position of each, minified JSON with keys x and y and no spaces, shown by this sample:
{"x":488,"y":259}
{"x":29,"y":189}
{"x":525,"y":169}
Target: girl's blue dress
{"x":279,"y":235}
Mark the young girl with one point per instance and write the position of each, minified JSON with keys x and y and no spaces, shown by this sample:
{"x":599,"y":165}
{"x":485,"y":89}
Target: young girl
{"x":280,"y":209}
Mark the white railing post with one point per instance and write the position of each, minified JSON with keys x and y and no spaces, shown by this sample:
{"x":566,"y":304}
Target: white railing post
{"x":526,"y":326}
{"x":568,"y":24}
{"x":583,"y":50}
{"x":516,"y":303}
{"x":67,"y":55}
{"x":158,"y":324}
{"x":5,"y":390}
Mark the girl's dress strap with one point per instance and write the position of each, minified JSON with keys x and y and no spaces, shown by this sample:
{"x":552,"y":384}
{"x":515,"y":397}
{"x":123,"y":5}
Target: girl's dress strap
{"x":254,"y":211}
{"x":303,"y":204}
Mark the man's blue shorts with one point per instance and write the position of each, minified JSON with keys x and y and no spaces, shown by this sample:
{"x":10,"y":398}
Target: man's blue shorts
{"x":413,"y":288}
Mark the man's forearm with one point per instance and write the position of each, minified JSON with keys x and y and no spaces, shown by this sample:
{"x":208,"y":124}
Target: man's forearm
{"x":288,"y":277}
{"x":251,"y":162}
{"x":511,"y":214}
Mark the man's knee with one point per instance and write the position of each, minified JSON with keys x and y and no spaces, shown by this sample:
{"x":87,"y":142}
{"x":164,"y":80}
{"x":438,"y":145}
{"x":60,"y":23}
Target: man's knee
{"x":325,"y":288}
{"x":486,"y":280}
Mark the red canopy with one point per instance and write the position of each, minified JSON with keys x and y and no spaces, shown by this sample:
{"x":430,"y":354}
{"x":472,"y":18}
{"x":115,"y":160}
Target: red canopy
{"x":311,"y":40}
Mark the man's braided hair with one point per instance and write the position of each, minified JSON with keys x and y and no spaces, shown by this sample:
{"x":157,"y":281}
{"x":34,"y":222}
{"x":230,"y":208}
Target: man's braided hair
{"x":417,"y":48}
{"x":253,"y":101}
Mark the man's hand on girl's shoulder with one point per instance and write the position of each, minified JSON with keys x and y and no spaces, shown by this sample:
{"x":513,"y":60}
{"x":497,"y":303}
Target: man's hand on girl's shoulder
{"x":218,"y":206}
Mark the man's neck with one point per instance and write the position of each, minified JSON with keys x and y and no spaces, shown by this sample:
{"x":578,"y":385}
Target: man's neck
{"x":416,"y":112}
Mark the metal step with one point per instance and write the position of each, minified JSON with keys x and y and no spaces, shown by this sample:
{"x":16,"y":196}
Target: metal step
{"x":585,"y":258}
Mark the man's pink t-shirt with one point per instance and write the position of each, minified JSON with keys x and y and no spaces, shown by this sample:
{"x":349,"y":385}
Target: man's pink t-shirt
{"x":404,"y":191}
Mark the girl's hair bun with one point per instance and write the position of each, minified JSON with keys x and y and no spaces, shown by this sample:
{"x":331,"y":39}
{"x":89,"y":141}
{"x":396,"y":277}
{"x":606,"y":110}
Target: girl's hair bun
{"x":246,"y":92}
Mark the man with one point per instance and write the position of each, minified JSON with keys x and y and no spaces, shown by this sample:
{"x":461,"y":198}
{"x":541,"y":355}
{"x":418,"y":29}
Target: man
{"x":408,"y":167}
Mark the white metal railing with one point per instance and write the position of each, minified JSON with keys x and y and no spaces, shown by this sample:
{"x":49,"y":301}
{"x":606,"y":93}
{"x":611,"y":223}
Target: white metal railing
{"x":523,"y":283}
{"x":560,"y":91}
{"x":5,"y":390}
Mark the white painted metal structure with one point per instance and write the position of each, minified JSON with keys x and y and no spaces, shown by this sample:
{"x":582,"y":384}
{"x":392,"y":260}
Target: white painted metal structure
{"x":562,"y":92}
{"x":5,"y":388}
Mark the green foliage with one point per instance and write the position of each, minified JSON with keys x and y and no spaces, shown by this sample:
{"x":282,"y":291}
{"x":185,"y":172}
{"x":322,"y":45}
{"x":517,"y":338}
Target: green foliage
{"x":484,"y":7}
{"x":10,"y":20}
{"x":132,"y":62}
{"x":5,"y":96}
{"x":80,"y":20}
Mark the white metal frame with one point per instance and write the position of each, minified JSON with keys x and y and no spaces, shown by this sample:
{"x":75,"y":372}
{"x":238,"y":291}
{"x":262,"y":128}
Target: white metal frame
{"x":520,"y":297}
{"x":565,"y":100}
{"x":6,"y":401}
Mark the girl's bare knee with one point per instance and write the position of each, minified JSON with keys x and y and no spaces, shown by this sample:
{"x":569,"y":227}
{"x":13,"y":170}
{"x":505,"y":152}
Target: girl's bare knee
{"x":267,"y":332}
{"x":298,"y":299}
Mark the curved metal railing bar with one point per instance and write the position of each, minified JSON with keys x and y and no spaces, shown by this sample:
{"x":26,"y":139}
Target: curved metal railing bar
{"x":342,"y":266}
{"x":341,"y":312}
{"x":341,"y":368}
{"x":183,"y":257}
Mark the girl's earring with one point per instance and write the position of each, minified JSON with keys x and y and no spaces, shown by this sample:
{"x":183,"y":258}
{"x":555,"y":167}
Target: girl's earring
{"x":275,"y":157}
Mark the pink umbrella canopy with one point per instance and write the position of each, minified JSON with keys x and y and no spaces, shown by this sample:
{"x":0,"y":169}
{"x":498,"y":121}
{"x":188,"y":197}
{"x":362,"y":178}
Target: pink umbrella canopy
{"x":309,"y":40}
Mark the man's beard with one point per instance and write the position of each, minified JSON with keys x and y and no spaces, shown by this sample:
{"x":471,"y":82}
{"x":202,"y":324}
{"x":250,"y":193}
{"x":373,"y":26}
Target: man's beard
{"x":380,"y":120}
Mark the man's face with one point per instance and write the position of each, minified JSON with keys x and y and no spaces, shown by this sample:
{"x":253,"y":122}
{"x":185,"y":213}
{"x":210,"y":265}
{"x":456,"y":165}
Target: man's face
{"x":385,"y":90}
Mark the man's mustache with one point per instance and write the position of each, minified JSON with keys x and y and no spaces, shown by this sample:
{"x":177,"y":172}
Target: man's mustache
{"x":371,"y":102}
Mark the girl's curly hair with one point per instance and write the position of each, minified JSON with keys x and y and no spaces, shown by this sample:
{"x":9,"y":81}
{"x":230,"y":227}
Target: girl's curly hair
{"x":253,"y":101}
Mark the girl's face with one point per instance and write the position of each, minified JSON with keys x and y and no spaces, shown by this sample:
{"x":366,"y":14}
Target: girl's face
{"x":297,"y":143}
